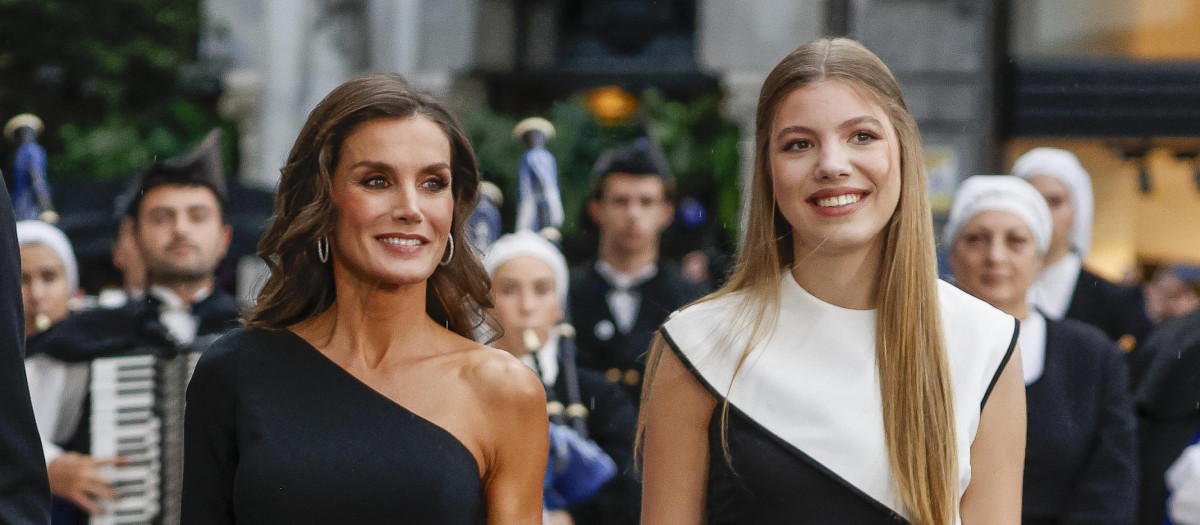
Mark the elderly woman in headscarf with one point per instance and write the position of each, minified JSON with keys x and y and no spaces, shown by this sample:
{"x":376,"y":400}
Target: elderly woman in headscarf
{"x":49,"y":274}
{"x":1080,"y":459}
{"x":1065,"y":288}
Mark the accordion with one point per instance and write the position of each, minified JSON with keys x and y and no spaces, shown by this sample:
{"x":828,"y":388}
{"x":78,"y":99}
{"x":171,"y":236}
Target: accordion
{"x":137,"y":411}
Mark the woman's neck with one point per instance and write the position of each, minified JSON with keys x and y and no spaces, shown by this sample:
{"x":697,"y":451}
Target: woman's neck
{"x":847,"y":279}
{"x":368,"y":321}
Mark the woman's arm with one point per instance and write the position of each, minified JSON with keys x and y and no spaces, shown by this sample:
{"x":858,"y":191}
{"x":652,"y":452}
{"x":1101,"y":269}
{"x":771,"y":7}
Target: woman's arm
{"x":210,"y":454}
{"x":998,"y":453}
{"x":676,"y":413}
{"x":1107,"y":487}
{"x":519,"y":432}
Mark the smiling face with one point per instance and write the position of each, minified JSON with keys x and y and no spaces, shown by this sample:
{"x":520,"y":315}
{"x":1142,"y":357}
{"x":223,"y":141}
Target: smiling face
{"x":391,"y":189}
{"x":995,"y":259}
{"x":835,"y":166}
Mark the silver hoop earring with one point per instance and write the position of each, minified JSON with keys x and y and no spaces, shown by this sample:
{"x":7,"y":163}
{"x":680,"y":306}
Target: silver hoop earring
{"x":450,"y":254}
{"x":323,"y":249}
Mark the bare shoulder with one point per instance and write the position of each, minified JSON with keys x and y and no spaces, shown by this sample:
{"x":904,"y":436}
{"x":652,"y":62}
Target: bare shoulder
{"x":501,"y":380}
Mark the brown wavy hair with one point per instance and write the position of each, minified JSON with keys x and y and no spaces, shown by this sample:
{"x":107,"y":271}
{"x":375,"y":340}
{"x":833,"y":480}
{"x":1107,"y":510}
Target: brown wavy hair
{"x":300,"y":286}
{"x":914,"y":377}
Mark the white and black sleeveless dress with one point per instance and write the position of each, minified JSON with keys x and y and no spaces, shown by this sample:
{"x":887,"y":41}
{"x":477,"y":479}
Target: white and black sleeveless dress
{"x":805,"y":421}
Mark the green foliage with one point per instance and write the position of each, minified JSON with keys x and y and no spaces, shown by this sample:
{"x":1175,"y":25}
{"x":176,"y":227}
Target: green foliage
{"x":700,"y":147}
{"x":105,"y":78}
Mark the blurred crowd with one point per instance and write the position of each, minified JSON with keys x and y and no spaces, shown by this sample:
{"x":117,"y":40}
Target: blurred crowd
{"x":1112,"y":370}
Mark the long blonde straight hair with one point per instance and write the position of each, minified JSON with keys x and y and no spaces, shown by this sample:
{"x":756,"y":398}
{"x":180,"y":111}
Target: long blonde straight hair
{"x":914,"y":377}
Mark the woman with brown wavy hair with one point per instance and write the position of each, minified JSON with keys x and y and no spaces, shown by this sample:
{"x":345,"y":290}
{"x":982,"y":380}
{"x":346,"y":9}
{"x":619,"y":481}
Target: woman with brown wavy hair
{"x":355,"y":393}
{"x":834,"y":379}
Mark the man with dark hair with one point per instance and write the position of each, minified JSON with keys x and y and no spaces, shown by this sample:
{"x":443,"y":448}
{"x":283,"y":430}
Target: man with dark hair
{"x":24,"y":494}
{"x":177,"y":222}
{"x":620,"y":299}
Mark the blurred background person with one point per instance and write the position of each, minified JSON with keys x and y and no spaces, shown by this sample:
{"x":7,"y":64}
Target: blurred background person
{"x":618,"y":300}
{"x":1080,"y":458}
{"x":1171,"y":291}
{"x":1064,"y":288}
{"x":1167,"y":393}
{"x":529,"y":289}
{"x":127,"y":259}
{"x":698,"y":244}
{"x":31,"y":191}
{"x":178,"y":225}
{"x":49,"y":274}
{"x":539,"y":203}
{"x":484,"y":225}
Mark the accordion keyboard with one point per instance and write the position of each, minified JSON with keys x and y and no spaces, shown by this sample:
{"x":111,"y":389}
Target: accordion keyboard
{"x":125,"y":423}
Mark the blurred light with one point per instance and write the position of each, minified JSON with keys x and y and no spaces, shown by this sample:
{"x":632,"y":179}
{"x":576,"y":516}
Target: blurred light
{"x":610,"y":104}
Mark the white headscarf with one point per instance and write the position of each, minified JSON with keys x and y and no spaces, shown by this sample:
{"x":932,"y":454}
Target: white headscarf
{"x":525,"y":242}
{"x":1005,"y":193}
{"x":1064,"y":166}
{"x":38,"y":232}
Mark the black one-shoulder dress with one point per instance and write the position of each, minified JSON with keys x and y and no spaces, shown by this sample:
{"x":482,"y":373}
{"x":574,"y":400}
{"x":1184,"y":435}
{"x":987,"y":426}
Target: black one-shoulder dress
{"x":278,"y":433}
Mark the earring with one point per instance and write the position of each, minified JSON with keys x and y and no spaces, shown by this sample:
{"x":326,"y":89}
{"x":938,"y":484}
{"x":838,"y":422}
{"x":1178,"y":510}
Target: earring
{"x":323,"y":249}
{"x":450,"y":253}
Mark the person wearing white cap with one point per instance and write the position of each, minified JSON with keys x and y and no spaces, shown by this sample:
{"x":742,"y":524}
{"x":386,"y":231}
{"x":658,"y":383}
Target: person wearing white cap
{"x":1081,"y":456}
{"x":31,"y":192}
{"x":1065,"y":288}
{"x":49,"y":274}
{"x":539,"y":202}
{"x":529,"y":290}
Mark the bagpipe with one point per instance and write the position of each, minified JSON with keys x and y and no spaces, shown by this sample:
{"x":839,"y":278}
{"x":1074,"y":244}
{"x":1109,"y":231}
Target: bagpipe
{"x":578,"y":467}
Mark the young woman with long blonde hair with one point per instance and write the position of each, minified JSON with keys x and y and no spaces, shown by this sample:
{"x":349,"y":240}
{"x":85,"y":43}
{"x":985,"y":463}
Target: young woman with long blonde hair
{"x":834,"y":379}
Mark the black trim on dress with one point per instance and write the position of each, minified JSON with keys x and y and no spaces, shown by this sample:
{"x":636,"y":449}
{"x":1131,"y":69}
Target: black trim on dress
{"x":1012,"y":345}
{"x":867,"y":498}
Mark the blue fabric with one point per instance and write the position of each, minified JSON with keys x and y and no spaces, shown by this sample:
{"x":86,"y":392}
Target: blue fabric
{"x":576,"y":470}
{"x":483,"y":227}
{"x":539,"y":203}
{"x":29,"y":179}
